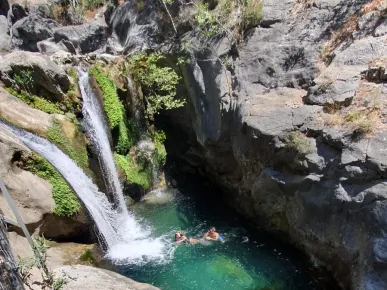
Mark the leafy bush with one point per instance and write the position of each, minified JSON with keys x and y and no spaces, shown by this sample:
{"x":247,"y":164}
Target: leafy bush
{"x":66,"y":202}
{"x":158,"y":83}
{"x":37,"y":102}
{"x":298,"y":143}
{"x":251,"y":13}
{"x":24,"y":80}
{"x":74,"y":147}
{"x":160,"y":155}
{"x":135,"y":173}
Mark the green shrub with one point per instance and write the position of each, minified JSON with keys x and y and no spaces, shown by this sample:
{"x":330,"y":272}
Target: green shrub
{"x":160,"y":156}
{"x":251,"y":13}
{"x":74,"y":147}
{"x":298,"y":143}
{"x":135,"y":173}
{"x":66,"y":202}
{"x":87,"y":256}
{"x":126,"y":137}
{"x":24,"y":80}
{"x":36,"y":102}
{"x":362,"y":121}
{"x":158,"y":83}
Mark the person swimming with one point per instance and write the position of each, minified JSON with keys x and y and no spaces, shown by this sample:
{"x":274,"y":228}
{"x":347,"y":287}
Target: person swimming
{"x":212,"y":235}
{"x":180,"y":237}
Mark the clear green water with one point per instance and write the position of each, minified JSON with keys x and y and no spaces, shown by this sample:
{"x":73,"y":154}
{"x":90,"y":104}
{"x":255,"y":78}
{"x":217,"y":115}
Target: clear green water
{"x":249,"y":259}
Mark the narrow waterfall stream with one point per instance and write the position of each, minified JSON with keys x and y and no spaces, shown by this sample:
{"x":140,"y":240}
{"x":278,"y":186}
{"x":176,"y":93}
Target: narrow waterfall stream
{"x":127,"y":241}
{"x":96,"y":129}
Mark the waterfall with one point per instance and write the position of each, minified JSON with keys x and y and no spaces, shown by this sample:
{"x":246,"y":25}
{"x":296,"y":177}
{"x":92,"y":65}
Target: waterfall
{"x":126,"y":240}
{"x":96,"y":130}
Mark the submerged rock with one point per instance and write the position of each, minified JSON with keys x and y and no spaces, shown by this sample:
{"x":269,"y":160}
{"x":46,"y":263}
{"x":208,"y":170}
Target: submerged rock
{"x":89,"y":278}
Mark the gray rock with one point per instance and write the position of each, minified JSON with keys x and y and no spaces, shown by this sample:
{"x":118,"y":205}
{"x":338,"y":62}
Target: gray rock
{"x":28,"y":31}
{"x":83,"y":38}
{"x":90,"y":278}
{"x":48,"y":79}
{"x":49,"y":47}
{"x":381,"y":29}
{"x":5,"y":39}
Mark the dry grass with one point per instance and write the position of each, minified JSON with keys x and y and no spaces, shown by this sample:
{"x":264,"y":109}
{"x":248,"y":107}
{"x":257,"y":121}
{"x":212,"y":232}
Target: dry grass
{"x":348,"y":28}
{"x":301,"y":6}
{"x":334,"y":120}
{"x":363,"y":121}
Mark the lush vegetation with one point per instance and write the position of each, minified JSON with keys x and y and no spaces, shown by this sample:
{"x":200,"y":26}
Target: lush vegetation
{"x":115,"y":112}
{"x":160,"y":155}
{"x":158,"y":83}
{"x":135,"y":172}
{"x":298,"y":143}
{"x":36,"y":102}
{"x":74,"y":146}
{"x":224,"y":18}
{"x":66,"y":202}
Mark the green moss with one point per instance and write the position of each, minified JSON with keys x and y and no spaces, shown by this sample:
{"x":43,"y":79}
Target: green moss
{"x":74,"y":147}
{"x":115,"y":111}
{"x":37,"y":102}
{"x":66,"y":202}
{"x":160,"y":155}
{"x":298,"y":143}
{"x":135,"y":173}
{"x":87,"y":256}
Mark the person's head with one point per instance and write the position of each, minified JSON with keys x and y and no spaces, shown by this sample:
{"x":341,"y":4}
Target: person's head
{"x":177,"y":236}
{"x":212,"y":229}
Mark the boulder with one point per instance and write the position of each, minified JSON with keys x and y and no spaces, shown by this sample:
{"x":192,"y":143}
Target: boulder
{"x":5,"y":39}
{"x":4,"y":7}
{"x":89,"y":278}
{"x":47,"y":78}
{"x":16,"y":13}
{"x":83,"y":38}
{"x":19,"y":113}
{"x":28,"y":31}
{"x":49,"y":47}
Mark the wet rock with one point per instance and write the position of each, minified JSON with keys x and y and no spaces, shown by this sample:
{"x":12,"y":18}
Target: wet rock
{"x":83,"y":38}
{"x":47,"y":78}
{"x":28,"y":31}
{"x":89,"y":278}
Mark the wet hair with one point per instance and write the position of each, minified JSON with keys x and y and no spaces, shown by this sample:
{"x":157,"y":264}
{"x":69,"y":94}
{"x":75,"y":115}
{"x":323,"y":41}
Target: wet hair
{"x":212,"y":228}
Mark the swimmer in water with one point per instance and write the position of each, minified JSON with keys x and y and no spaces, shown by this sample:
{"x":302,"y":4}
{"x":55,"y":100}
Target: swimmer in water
{"x":212,"y":235}
{"x":180,"y":237}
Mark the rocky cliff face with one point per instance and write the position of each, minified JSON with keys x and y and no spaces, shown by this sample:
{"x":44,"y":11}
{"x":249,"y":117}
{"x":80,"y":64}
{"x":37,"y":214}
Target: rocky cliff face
{"x":293,"y":127}
{"x":289,"y":121}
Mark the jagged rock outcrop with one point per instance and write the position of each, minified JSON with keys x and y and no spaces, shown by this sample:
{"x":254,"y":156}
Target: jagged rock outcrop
{"x":89,"y":278}
{"x":83,"y":38}
{"x":28,"y":31}
{"x":42,"y":76}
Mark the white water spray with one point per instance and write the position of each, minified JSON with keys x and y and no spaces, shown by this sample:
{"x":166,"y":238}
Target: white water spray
{"x":96,"y":129}
{"x":126,"y":241}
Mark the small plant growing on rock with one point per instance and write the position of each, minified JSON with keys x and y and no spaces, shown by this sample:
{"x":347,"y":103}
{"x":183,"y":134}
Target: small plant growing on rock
{"x":362,"y":121}
{"x":158,"y":83}
{"x":24,"y":80}
{"x":298,"y":143}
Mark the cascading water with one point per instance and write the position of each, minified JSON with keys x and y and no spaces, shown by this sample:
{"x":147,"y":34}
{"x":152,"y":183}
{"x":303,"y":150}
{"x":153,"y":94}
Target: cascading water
{"x":126,"y":240}
{"x":96,"y":131}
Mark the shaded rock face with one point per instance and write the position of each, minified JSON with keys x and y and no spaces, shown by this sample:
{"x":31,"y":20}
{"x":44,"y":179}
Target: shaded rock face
{"x":89,"y":278}
{"x":136,"y":27}
{"x":4,"y":7}
{"x":47,"y":78}
{"x":28,"y":31}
